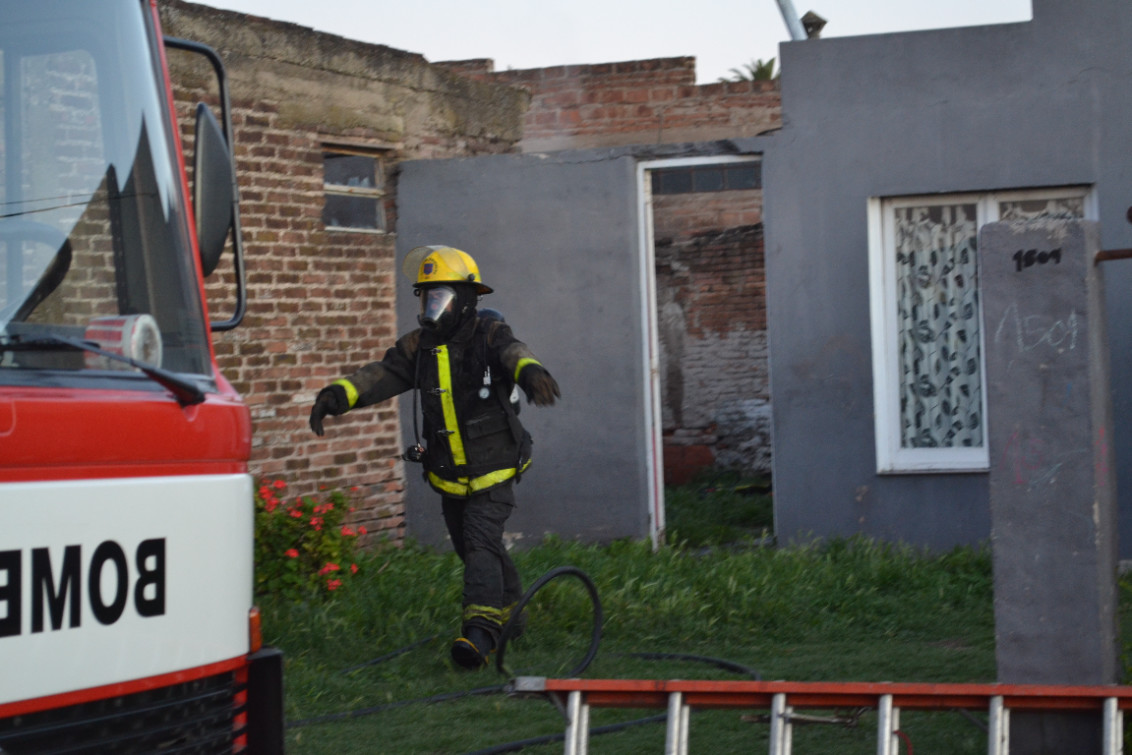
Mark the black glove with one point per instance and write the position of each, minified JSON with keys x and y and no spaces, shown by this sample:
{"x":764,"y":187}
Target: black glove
{"x":540,"y":387}
{"x":330,"y":400}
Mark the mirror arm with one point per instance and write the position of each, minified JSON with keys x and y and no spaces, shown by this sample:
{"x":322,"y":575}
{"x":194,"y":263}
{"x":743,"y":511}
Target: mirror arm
{"x":226,"y":123}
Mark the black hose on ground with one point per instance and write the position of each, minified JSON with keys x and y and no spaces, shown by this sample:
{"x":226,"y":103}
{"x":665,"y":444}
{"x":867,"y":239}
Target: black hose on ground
{"x":722,"y":663}
{"x":359,"y":712}
{"x":505,"y":634}
{"x":390,"y":656}
{"x":517,"y":617}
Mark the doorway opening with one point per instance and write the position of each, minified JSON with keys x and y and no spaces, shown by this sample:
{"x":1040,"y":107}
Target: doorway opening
{"x":703,"y":274}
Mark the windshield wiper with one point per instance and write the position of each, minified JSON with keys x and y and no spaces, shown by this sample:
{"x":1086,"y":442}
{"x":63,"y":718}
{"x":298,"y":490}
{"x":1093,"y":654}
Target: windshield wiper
{"x":185,"y":392}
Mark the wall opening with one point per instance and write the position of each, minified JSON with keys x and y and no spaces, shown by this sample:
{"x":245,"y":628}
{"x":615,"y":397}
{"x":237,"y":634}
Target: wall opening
{"x":704,"y":274}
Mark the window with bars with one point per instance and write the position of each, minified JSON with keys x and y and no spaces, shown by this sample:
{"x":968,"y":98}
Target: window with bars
{"x":927,"y":322}
{"x":354,"y":187}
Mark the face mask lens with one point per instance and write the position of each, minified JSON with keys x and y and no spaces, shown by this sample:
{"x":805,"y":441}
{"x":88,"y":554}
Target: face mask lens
{"x":435,"y":304}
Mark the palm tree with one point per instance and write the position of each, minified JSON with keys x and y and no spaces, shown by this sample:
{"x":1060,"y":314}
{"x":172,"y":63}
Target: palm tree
{"x":756,"y":70}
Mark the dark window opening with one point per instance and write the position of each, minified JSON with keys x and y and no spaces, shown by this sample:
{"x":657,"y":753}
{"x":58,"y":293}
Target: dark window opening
{"x":350,"y":170}
{"x":350,"y":212}
{"x":354,"y":185}
{"x":703,"y":178}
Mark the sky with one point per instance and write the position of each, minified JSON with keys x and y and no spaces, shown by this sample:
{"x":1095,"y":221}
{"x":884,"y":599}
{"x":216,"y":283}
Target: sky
{"x":721,"y":34}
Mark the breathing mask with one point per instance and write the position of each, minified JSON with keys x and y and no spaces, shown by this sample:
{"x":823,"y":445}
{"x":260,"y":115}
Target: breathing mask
{"x":443,"y":307}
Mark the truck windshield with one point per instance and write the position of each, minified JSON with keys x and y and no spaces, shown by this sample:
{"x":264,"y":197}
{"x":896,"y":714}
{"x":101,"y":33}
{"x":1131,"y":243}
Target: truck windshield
{"x":94,"y":240}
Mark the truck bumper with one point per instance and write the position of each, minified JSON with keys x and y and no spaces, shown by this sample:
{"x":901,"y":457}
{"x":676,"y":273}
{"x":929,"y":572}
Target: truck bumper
{"x":265,"y":702}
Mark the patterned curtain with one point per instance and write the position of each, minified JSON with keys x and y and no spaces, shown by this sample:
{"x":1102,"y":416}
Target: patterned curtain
{"x":1031,"y":209}
{"x":938,"y":315}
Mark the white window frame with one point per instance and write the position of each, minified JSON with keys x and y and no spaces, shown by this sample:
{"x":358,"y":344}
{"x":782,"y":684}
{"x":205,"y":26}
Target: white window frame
{"x":892,"y":458}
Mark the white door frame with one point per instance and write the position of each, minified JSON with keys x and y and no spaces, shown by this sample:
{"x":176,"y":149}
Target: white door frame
{"x":647,"y":256}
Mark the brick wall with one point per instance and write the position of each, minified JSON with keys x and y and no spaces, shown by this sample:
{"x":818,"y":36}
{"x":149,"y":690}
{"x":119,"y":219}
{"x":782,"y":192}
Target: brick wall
{"x":632,"y":102}
{"x":682,"y":216}
{"x":711,"y":301}
{"x":321,"y":302}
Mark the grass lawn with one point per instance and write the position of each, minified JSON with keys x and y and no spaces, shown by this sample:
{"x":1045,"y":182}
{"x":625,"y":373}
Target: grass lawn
{"x":368,"y":671}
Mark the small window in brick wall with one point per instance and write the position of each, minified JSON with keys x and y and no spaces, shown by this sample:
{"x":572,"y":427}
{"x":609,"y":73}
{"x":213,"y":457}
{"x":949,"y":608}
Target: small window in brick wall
{"x":354,"y":184}
{"x":698,"y":178}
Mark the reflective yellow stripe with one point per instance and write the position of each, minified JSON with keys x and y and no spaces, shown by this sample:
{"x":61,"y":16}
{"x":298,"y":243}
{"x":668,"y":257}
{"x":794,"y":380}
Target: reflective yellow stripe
{"x":351,"y":391}
{"x":448,"y":404}
{"x":523,"y":363}
{"x":465,"y":486}
{"x":492,"y":614}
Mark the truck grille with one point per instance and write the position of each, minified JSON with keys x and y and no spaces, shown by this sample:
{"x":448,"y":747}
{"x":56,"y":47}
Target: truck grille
{"x":192,"y":717}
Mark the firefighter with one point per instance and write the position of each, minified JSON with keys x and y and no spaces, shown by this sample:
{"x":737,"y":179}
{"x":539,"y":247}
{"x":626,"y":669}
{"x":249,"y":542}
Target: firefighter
{"x":473,"y":449}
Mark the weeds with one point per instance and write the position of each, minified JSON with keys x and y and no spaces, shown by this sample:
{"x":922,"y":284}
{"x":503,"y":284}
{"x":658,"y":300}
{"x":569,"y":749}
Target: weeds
{"x":843,"y":610}
{"x":848,"y":610}
{"x":719,"y":508}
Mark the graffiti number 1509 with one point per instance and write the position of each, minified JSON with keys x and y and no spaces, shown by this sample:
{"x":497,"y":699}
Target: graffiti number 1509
{"x":1031,"y":257}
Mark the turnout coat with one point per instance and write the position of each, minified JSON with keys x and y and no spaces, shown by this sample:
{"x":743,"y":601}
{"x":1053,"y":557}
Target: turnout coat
{"x":470,"y":430}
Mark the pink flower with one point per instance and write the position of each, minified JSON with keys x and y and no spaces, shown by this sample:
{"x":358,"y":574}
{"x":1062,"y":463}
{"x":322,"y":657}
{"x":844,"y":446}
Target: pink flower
{"x":353,"y":568}
{"x":279,"y":484}
{"x":316,"y":522}
{"x":264,"y":491}
{"x":330,"y":566}
{"x":291,"y":553}
{"x":333,"y":584}
{"x":348,"y":531}
{"x":296,"y":513}
{"x":362,"y":530}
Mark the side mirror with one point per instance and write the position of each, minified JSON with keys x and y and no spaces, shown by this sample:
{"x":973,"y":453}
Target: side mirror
{"x":213,"y":189}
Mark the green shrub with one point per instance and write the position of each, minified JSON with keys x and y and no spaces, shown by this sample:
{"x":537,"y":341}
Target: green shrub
{"x":302,"y":547}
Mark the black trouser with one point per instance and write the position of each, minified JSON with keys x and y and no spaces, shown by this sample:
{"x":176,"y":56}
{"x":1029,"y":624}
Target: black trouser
{"x":491,"y":581}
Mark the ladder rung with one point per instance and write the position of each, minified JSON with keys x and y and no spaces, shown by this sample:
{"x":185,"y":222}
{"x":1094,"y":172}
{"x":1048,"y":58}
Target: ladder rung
{"x":888,"y":721}
{"x":676,"y":743}
{"x":1113,"y":728}
{"x":781,"y":730}
{"x":578,"y":725}
{"x":998,"y":727}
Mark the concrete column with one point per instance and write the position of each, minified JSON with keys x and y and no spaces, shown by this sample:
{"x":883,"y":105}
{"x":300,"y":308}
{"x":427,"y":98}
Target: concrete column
{"x":1052,"y":481}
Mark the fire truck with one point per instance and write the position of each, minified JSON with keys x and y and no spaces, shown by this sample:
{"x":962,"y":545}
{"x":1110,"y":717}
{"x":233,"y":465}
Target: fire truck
{"x":126,"y":509}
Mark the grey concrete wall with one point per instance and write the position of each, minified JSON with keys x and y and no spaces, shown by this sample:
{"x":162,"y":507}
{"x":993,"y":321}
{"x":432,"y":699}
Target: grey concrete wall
{"x":557,"y":238}
{"x":1042,"y":103}
{"x":1051,"y":488}
{"x":1053,"y":524}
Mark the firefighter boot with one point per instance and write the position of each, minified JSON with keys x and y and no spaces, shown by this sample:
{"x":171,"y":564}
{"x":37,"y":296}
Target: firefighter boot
{"x":474,"y":648}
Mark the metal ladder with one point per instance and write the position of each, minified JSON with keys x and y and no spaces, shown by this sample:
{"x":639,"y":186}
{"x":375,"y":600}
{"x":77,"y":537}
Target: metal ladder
{"x":783,"y":699}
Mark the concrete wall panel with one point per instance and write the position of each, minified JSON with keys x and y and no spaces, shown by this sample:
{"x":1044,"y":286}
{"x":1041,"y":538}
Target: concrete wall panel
{"x":1036,"y":104}
{"x":557,"y":237}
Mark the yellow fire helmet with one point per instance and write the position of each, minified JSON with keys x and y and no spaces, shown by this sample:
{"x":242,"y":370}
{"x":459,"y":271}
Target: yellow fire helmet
{"x":442,"y":264}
